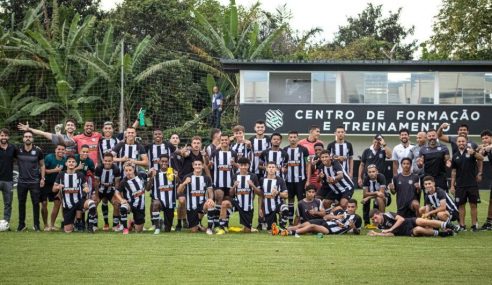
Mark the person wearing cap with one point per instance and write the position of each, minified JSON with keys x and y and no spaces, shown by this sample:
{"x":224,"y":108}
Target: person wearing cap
{"x":376,"y":154}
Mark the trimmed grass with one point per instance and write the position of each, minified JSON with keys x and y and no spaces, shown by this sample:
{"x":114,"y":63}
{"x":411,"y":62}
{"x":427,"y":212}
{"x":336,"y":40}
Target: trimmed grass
{"x":185,"y":258}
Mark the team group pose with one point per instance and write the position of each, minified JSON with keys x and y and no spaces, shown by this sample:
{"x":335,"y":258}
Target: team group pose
{"x":303,"y":187}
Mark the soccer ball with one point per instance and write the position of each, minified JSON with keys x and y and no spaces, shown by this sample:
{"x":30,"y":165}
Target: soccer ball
{"x":4,"y":225}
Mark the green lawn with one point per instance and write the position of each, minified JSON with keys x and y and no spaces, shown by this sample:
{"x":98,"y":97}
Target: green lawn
{"x":239,"y":258}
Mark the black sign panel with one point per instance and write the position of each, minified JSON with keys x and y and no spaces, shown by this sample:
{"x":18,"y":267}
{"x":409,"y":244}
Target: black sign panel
{"x":365,"y":119}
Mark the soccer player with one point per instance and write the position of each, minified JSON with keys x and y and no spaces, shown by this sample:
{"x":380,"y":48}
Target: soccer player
{"x":157,"y":148}
{"x":433,"y":158}
{"x":30,"y":160}
{"x":131,"y":197}
{"x":163,"y":184}
{"x":310,"y":207}
{"x":313,"y":138}
{"x":336,"y":184}
{"x":297,"y":159}
{"x":106,"y":180}
{"x":401,"y":151}
{"x":273,"y":193}
{"x":199,"y":193}
{"x":275,"y":154}
{"x":314,"y":165}
{"x":338,"y":222}
{"x":66,"y":139}
{"x":215,"y":142}
{"x":438,"y":204}
{"x":392,"y":224}
{"x":108,"y":141}
{"x":241,"y":146}
{"x":464,"y":184}
{"x":342,"y":150}
{"x":223,"y":163}
{"x":406,"y":186}
{"x":259,"y":143}
{"x":374,"y":187}
{"x":91,"y":139}
{"x":54,"y":163}
{"x":376,"y":154}
{"x":130,"y":150}
{"x":243,"y":190}
{"x":72,"y":188}
{"x":486,"y":150}
{"x":8,"y":152}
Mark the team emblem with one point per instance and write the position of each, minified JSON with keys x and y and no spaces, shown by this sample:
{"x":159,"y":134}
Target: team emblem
{"x":274,"y":119}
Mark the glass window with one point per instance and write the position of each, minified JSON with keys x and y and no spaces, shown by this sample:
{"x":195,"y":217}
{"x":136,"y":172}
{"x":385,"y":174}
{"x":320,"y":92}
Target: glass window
{"x":352,"y":87}
{"x":472,"y":84}
{"x":255,"y":87}
{"x":364,"y":87}
{"x":324,"y":87}
{"x":290,"y":87}
{"x":488,"y":88}
{"x":422,"y":88}
{"x":462,"y":88}
{"x":399,"y":88}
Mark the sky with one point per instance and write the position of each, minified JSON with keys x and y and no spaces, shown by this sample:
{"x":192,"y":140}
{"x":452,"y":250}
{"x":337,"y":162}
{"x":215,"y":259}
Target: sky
{"x":330,"y":14}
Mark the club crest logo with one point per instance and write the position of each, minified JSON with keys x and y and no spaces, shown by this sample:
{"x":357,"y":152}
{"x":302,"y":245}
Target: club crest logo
{"x":274,"y":119}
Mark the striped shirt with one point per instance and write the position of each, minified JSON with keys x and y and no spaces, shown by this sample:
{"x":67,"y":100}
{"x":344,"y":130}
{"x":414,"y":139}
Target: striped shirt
{"x":107,"y":178}
{"x":335,"y":228}
{"x":271,"y":204}
{"x":257,"y":147}
{"x":296,"y":163}
{"x":106,"y":145}
{"x":196,"y":191}
{"x":345,"y":184}
{"x":278,"y":156}
{"x":342,"y":149}
{"x":374,"y":185}
{"x":164,"y":189}
{"x":132,"y":151}
{"x":244,"y":194}
{"x":223,"y":169}
{"x":154,"y":151}
{"x":72,"y":192}
{"x":242,"y":150}
{"x":434,"y":200}
{"x":133,"y":190}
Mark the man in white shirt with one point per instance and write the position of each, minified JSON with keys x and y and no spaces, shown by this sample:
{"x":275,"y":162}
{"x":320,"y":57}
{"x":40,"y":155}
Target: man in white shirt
{"x":401,"y":150}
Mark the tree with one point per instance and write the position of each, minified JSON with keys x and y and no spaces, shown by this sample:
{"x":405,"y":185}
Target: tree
{"x":462,"y":31}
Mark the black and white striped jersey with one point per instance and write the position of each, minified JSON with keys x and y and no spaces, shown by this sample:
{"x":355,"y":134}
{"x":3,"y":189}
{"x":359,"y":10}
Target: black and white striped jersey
{"x":278,"y":156}
{"x":223,"y":170}
{"x":342,"y":226}
{"x":296,"y":163}
{"x":107,"y":178}
{"x":154,"y":151}
{"x":434,"y":200}
{"x":374,"y":185}
{"x":196,"y":191}
{"x":164,"y":189}
{"x":389,"y":219}
{"x":257,"y":147}
{"x":341,"y":149}
{"x":271,"y":204}
{"x":133,"y":190}
{"x":132,"y":151}
{"x":245,"y":196}
{"x":242,"y":150}
{"x":106,"y":145}
{"x":345,"y":184}
{"x":72,"y":192}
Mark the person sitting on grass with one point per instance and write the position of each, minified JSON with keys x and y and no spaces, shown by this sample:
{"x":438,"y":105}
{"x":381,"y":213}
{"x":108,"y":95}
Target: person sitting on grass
{"x":392,"y":224}
{"x":438,"y":204}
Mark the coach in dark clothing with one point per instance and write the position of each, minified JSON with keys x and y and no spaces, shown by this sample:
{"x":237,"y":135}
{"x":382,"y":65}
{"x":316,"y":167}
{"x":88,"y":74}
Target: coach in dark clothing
{"x":30,"y":159}
{"x":7,"y":155}
{"x":376,"y":154}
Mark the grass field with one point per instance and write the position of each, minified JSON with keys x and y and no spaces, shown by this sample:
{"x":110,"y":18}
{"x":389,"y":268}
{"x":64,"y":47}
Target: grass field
{"x":81,"y":258}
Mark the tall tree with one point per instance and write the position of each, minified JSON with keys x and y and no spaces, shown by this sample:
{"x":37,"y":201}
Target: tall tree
{"x":462,"y":31}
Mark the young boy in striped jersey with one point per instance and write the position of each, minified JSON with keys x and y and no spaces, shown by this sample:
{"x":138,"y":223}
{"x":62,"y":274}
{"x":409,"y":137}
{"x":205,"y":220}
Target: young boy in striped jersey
{"x":73,"y":193}
{"x":241,"y":146}
{"x":107,"y":141}
{"x":162,"y":183}
{"x":243,"y":190}
{"x":131,"y":196}
{"x":199,"y":194}
{"x":106,"y":179}
{"x":273,"y":193}
{"x":438,"y":204}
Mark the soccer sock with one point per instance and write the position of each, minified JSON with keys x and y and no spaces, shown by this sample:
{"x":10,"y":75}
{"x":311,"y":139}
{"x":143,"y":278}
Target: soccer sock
{"x":222,"y":223}
{"x":155,"y":219}
{"x":210,"y":218}
{"x":229,"y":213}
{"x":105,"y":210}
{"x":216,"y":215}
{"x":180,"y":223}
{"x":124,"y":217}
{"x":284,"y":213}
{"x":79,"y":224}
{"x":443,"y":225}
{"x":116,"y":220}
{"x":291,"y":213}
{"x":436,"y":233}
{"x":293,"y":232}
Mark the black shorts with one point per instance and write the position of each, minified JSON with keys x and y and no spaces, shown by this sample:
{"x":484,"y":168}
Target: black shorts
{"x":347,"y":194}
{"x":70,"y":213}
{"x":454,"y":216}
{"x":296,"y":189}
{"x":226,"y":190}
{"x":387,"y":199}
{"x":108,"y":195}
{"x":441,"y":182}
{"x":138,"y":216}
{"x":406,"y":229}
{"x":193,"y":216}
{"x":47,"y":193}
{"x":467,"y":194}
{"x":245,"y":217}
{"x":319,"y":222}
{"x":324,"y":192}
{"x":406,"y":212}
{"x":270,"y":219}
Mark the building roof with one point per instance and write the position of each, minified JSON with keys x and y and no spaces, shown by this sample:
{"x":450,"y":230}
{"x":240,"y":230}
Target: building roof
{"x":357,"y":65}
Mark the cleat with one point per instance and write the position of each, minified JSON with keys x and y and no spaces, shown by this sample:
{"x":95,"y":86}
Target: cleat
{"x":118,"y":228}
{"x":452,"y":226}
{"x":157,"y":231}
{"x":487,"y":226}
{"x":21,"y":228}
{"x":151,"y":229}
{"x":220,"y":231}
{"x":47,"y":229}
{"x":253,"y":230}
{"x":54,"y":229}
{"x":462,"y":229}
{"x":447,"y":233}
{"x":36,"y":228}
{"x":106,"y":227}
{"x":297,"y":235}
{"x":209,"y":231}
{"x":284,"y":232}
{"x":474,"y":228}
{"x":178,"y":228}
{"x":126,"y":231}
{"x":275,"y":229}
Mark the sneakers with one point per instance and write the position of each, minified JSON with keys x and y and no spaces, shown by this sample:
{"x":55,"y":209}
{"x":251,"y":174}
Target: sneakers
{"x":157,"y":231}
{"x":284,"y":232}
{"x":220,"y":231}
{"x":474,"y":228}
{"x":209,"y":231}
{"x":106,"y":227}
{"x":275,"y":229}
{"x":91,"y":229}
{"x":370,"y":227}
{"x":451,"y":226}
{"x":462,"y":229}
{"x":54,"y":229}
{"x":297,"y":235}
{"x":487,"y":226}
{"x":47,"y":229}
{"x":36,"y":228}
{"x":153,"y":228}
{"x":21,"y":228}
{"x":178,"y":228}
{"x":126,"y":231}
{"x":118,"y":228}
{"x":447,"y":233}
